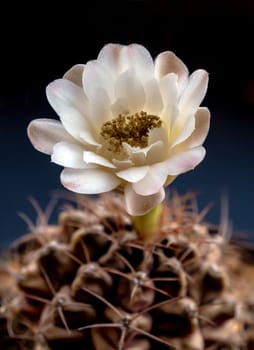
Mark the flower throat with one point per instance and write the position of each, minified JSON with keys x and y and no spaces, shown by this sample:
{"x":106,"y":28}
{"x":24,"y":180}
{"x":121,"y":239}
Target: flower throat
{"x":132,"y":129}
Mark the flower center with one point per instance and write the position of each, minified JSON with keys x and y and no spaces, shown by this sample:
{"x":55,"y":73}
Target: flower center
{"x":132,"y":129}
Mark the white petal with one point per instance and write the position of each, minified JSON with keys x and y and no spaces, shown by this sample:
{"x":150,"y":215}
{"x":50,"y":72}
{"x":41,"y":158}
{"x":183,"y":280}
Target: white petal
{"x":99,"y":107}
{"x":188,"y":105}
{"x":133,"y":174}
{"x":89,"y":181}
{"x":157,"y":152}
{"x":122,"y":164}
{"x":181,"y":133}
{"x":157,"y":134}
{"x":139,"y":155}
{"x":120,"y":106}
{"x":168,"y":62}
{"x":184,"y":161}
{"x":153,"y":104}
{"x":160,"y":147}
{"x":136,"y":154}
{"x":153,"y":181}
{"x":202,"y":123}
{"x":75,"y":74}
{"x":140,"y":57}
{"x":45,"y":133}
{"x":69,"y":155}
{"x":93,"y":158}
{"x":69,"y":102}
{"x":140,"y":205}
{"x":137,"y":57}
{"x":97,"y":76}
{"x":170,"y":115}
{"x":130,"y":89}
{"x":168,"y":88}
{"x":169,"y":91}
{"x":119,"y":58}
{"x":194,"y":92}
{"x":110,"y":57}
{"x":87,"y":137}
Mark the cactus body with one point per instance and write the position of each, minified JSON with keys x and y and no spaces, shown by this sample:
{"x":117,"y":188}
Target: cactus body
{"x":91,"y":283}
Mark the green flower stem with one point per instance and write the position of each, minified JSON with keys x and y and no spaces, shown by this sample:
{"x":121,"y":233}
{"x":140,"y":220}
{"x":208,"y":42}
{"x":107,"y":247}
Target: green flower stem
{"x":148,"y":225}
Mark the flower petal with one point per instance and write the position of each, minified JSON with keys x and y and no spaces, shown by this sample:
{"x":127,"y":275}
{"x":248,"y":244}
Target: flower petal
{"x":168,"y":88}
{"x":69,"y":155}
{"x":158,"y":145}
{"x":156,"y":152}
{"x":140,"y":205}
{"x":194,"y":92}
{"x":75,"y":74}
{"x":188,"y":105}
{"x":153,"y":104}
{"x":179,"y":134}
{"x":142,"y":156}
{"x":70,"y":103}
{"x":87,"y":138}
{"x":136,"y":154}
{"x":138,"y":57}
{"x":120,"y":106}
{"x":168,"y":62}
{"x":184,"y":161}
{"x":155,"y":179}
{"x":130,"y":89}
{"x":202,"y":124}
{"x":169,"y":92}
{"x":157,"y":134}
{"x":110,"y":57}
{"x":93,"y":158}
{"x":97,"y":76}
{"x":89,"y":181}
{"x":133,"y":174}
{"x":119,"y":58}
{"x":99,"y":107}
{"x":122,"y":164}
{"x":157,"y":174}
{"x":45,"y":133}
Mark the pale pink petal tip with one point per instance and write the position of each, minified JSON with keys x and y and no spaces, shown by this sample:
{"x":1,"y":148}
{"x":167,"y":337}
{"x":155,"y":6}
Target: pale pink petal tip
{"x":45,"y":133}
{"x":89,"y":181}
{"x":137,"y":205}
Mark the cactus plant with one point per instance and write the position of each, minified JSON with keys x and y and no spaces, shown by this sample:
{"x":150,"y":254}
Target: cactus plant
{"x":90,"y":282}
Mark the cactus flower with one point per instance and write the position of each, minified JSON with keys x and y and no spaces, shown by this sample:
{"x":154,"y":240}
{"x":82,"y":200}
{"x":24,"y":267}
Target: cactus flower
{"x":126,"y":121}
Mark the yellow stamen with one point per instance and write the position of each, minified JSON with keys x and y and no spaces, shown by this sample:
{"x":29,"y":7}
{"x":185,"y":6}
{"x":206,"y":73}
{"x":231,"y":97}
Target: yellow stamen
{"x":132,"y":129}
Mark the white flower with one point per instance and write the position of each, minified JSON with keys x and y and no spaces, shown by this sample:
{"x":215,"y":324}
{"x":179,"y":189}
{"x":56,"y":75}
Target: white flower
{"x":126,"y":122}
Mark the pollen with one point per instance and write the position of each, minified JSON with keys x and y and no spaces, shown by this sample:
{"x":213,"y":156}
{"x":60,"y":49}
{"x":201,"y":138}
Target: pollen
{"x":132,"y":129}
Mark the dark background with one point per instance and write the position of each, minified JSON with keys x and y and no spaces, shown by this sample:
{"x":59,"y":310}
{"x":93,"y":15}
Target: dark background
{"x":38,"y":44}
